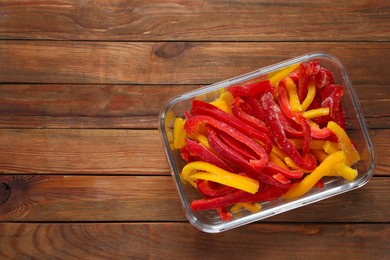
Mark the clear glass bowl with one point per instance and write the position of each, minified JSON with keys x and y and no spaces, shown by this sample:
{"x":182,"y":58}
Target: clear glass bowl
{"x":208,"y":221}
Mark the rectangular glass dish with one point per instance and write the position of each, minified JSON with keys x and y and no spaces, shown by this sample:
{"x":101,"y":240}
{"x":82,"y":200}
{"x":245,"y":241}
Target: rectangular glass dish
{"x":209,"y":221}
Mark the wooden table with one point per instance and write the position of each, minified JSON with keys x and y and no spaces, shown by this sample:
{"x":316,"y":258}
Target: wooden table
{"x":83,"y":172}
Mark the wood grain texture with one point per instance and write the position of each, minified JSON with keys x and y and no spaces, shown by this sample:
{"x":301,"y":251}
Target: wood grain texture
{"x":82,"y":152}
{"x":94,"y":151}
{"x":145,"y":198}
{"x":89,"y":100}
{"x":125,"y":106}
{"x":180,"y":240}
{"x":88,"y":122}
{"x":174,"y":62}
{"x":198,"y":20}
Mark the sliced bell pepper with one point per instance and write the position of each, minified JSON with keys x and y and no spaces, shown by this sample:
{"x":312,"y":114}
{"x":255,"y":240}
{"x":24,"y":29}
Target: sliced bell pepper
{"x":271,"y":115}
{"x":299,"y":119}
{"x":254,"y":168}
{"x":267,"y":193}
{"x":206,"y":171}
{"x":313,"y":113}
{"x":311,"y":93}
{"x":246,"y":118}
{"x":324,"y":169}
{"x":323,"y":78}
{"x":250,"y":90}
{"x":277,"y":76}
{"x":178,"y":133}
{"x":193,"y":124}
{"x":206,"y":155}
{"x":345,"y":144}
{"x":203,"y":108}
{"x":211,"y":189}
{"x":293,"y":95}
{"x":252,"y":207}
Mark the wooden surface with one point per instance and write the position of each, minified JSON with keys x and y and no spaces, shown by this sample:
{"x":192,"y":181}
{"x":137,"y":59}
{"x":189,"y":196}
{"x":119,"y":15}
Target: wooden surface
{"x":82,"y":169}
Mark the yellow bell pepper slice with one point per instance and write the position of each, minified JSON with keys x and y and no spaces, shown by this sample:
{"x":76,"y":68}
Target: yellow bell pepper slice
{"x":314,"y":144}
{"x":319,"y":154}
{"x":278,"y":152}
{"x":313,"y":113}
{"x":345,"y":171}
{"x":276,"y":160}
{"x":203,"y":140}
{"x":290,"y":163}
{"x":293,"y":95}
{"x":206,"y":171}
{"x":179,"y":134}
{"x":324,"y":169}
{"x":277,"y":76}
{"x":252,"y":207}
{"x":345,"y":144}
{"x":330,"y":147}
{"x":224,"y":102}
{"x":311,"y":92}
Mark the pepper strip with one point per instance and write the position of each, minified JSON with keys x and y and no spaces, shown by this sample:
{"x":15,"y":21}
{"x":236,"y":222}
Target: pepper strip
{"x":246,"y":118}
{"x":311,"y":93}
{"x":205,"y":109}
{"x":212,"y":189}
{"x":267,"y":194}
{"x":345,"y":171}
{"x":193,"y":124}
{"x":252,"y":207}
{"x":210,"y":172}
{"x":224,"y":102}
{"x":293,"y":95}
{"x":271,"y":116}
{"x":299,"y":119}
{"x":252,"y":89}
{"x":277,"y":76}
{"x":206,"y":155}
{"x":319,"y":154}
{"x":253,"y":167}
{"x":330,"y":147}
{"x":344,"y":143}
{"x":313,"y":113}
{"x":178,"y":133}
{"x":324,"y":169}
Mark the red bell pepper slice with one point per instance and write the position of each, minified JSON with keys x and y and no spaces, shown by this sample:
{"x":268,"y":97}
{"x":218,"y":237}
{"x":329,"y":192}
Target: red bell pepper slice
{"x":252,"y":89}
{"x":271,"y":115}
{"x":203,"y":108}
{"x":224,"y":214}
{"x":211,"y":189}
{"x":291,"y":174}
{"x":206,"y":155}
{"x":254,"y":168}
{"x":268,"y":193}
{"x":239,"y":112}
{"x":302,"y":83}
{"x":296,"y":117}
{"x":323,"y":78}
{"x":257,"y":110}
{"x":193,"y":124}
{"x":233,"y":144}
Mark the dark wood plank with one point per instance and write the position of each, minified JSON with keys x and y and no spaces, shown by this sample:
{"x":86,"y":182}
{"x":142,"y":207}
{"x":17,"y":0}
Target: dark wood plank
{"x":154,"y":198}
{"x":88,"y":100}
{"x":87,"y":122}
{"x":94,"y":151}
{"x":125,"y":106}
{"x":82,"y":152}
{"x":180,"y":240}
{"x":209,"y":20}
{"x":174,"y":62}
